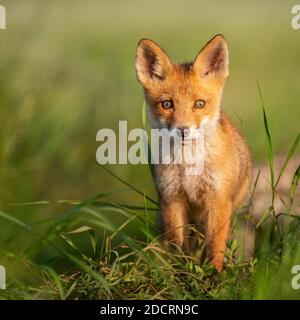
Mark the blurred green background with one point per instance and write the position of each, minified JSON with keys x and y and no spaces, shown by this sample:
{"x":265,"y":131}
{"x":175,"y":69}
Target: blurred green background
{"x":67,"y":70}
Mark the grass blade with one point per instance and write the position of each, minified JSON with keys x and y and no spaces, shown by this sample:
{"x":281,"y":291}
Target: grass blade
{"x":288,"y":158}
{"x":128,"y":184}
{"x":268,"y":135}
{"x":294,"y":186}
{"x":14,"y":220}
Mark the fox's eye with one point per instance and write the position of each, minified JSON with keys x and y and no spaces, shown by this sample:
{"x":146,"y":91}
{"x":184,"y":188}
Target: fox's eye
{"x":167,"y":104}
{"x":199,"y":104}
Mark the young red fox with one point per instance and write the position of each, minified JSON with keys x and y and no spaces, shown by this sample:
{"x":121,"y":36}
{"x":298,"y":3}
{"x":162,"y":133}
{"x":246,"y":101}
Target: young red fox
{"x":188,"y":96}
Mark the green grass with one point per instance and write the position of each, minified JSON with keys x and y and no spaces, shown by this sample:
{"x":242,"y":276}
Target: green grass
{"x":67,"y":71}
{"x":126,"y":261}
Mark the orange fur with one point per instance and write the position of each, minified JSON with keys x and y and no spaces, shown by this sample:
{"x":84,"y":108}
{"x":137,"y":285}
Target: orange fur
{"x":207,"y":200}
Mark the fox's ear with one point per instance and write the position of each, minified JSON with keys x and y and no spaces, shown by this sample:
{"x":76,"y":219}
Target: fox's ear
{"x":152,"y":63}
{"x":212,"y":61}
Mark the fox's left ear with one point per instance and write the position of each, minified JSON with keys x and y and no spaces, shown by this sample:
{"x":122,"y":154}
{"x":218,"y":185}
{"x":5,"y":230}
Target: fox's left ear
{"x":212,"y":61}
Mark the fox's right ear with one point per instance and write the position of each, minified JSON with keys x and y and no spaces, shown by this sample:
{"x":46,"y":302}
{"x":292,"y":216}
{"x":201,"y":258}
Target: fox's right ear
{"x":152,"y":63}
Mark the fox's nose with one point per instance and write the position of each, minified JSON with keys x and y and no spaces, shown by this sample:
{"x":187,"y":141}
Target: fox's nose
{"x":183,"y":132}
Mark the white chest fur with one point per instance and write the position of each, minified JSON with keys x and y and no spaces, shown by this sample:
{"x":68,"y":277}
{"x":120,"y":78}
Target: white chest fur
{"x":173,"y":180}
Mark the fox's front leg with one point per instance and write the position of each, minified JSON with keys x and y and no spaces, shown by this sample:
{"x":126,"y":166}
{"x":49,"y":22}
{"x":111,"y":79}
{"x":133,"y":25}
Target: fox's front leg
{"x":174,"y":223}
{"x":218,"y":230}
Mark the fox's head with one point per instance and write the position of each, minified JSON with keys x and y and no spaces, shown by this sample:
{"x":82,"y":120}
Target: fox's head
{"x":183,"y":96}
